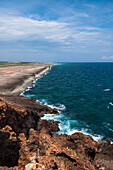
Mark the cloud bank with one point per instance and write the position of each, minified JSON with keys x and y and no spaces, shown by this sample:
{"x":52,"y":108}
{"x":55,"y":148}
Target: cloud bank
{"x":23,"y":28}
{"x":70,"y":31}
{"x":107,"y":58}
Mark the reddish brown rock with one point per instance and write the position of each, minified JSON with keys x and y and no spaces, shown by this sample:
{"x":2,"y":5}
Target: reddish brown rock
{"x":9,"y":148}
{"x":50,"y":125}
{"x":26,"y":142}
{"x":104,"y":156}
{"x":57,"y":151}
{"x":21,"y":113}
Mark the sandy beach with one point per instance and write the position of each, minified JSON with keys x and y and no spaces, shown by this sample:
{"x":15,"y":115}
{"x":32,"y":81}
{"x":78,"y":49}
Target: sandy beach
{"x":15,"y":79}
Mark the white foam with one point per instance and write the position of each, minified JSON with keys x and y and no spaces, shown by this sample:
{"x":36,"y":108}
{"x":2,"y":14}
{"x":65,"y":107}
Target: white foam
{"x":111,"y":103}
{"x":111,"y":129}
{"x":97,"y":138}
{"x":52,"y":117}
{"x":107,"y":125}
{"x":108,"y":107}
{"x":65,"y":129}
{"x":43,"y":101}
{"x":29,"y":87}
{"x":59,"y":107}
{"x":22,"y":94}
{"x":106,"y":90}
{"x":37,"y":77}
{"x":65,"y":125}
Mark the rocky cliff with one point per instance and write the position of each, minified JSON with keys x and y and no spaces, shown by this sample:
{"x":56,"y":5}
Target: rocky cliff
{"x":27,"y":142}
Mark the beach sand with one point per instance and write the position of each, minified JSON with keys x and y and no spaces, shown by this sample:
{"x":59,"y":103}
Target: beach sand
{"x":15,"y":79}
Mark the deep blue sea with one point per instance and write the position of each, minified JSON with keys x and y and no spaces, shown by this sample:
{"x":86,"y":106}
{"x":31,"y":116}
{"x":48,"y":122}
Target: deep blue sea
{"x":83,"y":93}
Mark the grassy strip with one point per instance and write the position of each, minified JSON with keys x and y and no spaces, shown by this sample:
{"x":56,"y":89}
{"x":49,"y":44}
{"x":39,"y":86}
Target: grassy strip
{"x":8,"y":64}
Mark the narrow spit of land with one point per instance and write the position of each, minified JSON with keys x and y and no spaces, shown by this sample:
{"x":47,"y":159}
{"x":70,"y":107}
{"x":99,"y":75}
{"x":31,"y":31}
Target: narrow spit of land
{"x":16,"y":77}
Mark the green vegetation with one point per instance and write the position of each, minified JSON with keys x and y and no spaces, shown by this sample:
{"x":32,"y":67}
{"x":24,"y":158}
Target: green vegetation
{"x":7,"y":140}
{"x":8,"y":64}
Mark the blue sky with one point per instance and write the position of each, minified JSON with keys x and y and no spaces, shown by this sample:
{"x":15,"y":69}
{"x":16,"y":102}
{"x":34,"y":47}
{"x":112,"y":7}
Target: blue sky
{"x":56,"y":30}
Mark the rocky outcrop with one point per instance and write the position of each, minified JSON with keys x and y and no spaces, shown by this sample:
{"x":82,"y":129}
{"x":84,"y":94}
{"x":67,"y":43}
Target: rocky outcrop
{"x":21,"y":113}
{"x":9,"y":147}
{"x":104,"y":155}
{"x":27,"y":142}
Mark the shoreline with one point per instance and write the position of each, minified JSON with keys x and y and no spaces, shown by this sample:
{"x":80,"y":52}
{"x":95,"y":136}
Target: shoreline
{"x":36,"y":77}
{"x":41,"y":74}
{"x":16,"y":79}
{"x":29,"y":82}
{"x":29,"y":142}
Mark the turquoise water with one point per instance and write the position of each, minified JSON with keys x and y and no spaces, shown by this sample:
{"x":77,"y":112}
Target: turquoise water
{"x":83,"y":93}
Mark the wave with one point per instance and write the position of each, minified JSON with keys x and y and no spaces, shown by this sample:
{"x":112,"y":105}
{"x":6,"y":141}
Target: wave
{"x":111,"y":103}
{"x":66,"y":126}
{"x":106,"y":90}
{"x":22,"y":93}
{"x":57,"y":117}
{"x":66,"y":129}
{"x":108,"y":126}
{"x":28,"y":88}
{"x":37,"y":78}
{"x":34,"y":83}
{"x":59,"y":107}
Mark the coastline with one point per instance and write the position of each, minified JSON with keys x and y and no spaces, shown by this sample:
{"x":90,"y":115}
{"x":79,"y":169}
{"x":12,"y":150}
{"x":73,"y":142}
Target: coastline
{"x":14,"y":81}
{"x":29,"y":82}
{"x":59,"y":109}
{"x":27,"y":142}
{"x":48,"y":116}
{"x":31,"y":143}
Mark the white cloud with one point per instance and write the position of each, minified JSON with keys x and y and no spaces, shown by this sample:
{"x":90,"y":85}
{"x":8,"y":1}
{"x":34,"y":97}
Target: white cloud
{"x":22,"y":28}
{"x":107,"y":58}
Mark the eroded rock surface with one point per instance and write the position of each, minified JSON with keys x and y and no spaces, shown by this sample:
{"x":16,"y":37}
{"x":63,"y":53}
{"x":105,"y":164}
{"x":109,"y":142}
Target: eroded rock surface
{"x":21,"y":113}
{"x":27,"y":142}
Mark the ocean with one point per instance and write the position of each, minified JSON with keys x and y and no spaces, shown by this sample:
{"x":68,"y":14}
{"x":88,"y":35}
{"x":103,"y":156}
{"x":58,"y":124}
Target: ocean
{"x":83,"y":94}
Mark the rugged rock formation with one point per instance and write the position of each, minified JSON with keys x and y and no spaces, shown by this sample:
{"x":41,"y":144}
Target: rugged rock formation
{"x":27,"y":142}
{"x":21,"y":113}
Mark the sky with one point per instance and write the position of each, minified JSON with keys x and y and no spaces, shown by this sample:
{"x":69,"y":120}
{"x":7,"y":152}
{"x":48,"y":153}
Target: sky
{"x":56,"y":30}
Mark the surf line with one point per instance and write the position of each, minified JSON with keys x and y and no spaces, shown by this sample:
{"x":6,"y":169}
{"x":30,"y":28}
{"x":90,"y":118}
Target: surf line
{"x":36,"y":77}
